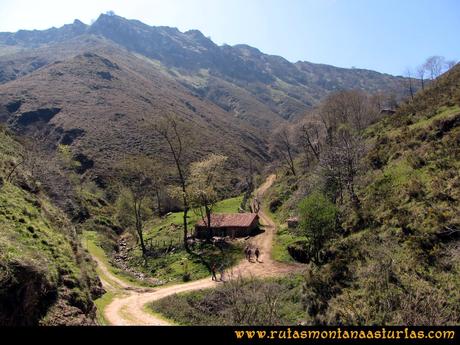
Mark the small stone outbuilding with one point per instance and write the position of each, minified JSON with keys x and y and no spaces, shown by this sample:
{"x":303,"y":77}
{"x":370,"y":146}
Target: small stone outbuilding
{"x":293,"y":222}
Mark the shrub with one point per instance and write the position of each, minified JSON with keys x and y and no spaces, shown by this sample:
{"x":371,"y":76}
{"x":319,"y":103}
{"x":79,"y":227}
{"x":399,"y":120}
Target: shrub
{"x":317,"y":221}
{"x":275,"y":205}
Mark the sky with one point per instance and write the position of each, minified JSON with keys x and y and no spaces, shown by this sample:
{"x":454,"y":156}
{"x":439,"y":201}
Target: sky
{"x":384,"y":35}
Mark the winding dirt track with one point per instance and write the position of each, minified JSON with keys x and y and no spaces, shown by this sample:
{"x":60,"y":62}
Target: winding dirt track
{"x":129,"y":308}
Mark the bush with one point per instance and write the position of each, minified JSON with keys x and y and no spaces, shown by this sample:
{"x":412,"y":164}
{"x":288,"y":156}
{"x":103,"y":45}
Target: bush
{"x":239,"y":301}
{"x":317,"y":221}
{"x":299,"y":251}
{"x":275,"y":205}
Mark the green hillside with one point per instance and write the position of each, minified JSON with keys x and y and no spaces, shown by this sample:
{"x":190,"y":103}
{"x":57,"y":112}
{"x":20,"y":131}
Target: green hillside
{"x":45,"y":276}
{"x":399,"y":264}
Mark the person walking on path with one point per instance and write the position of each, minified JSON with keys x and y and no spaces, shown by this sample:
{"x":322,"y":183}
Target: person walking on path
{"x":213,"y":272}
{"x":257,"y":253}
{"x":247,"y":252}
{"x":250,"y":251}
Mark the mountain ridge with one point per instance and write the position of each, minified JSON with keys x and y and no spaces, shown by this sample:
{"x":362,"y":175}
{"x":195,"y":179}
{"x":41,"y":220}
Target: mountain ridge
{"x":227,"y":94}
{"x":78,"y":27}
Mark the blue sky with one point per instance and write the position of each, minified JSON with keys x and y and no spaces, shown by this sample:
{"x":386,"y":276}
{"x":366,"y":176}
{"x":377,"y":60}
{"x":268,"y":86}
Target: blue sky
{"x":383,"y":35}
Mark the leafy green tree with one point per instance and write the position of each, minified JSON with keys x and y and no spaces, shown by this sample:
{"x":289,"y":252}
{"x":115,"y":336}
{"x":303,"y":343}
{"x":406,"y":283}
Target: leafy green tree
{"x":317,"y":221}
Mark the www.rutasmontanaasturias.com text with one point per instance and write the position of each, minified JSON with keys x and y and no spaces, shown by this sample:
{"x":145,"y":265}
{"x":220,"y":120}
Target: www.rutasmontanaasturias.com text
{"x":339,"y":333}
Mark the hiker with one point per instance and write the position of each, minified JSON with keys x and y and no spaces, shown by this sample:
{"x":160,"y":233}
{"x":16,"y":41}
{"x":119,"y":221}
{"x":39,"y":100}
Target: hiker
{"x":213,"y":272}
{"x":257,"y":205}
{"x":257,"y":253}
{"x":247,"y":253}
{"x":250,"y":254}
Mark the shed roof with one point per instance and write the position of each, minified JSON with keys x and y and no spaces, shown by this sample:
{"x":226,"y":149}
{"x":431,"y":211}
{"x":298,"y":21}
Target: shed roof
{"x":223,"y":220}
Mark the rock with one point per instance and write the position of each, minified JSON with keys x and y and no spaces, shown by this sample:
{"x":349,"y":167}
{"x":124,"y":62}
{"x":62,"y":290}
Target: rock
{"x":293,"y":222}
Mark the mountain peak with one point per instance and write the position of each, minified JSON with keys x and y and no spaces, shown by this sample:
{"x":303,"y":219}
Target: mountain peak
{"x":78,"y":22}
{"x":108,"y":18}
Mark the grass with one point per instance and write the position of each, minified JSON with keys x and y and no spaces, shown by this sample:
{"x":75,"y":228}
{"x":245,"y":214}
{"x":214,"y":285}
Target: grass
{"x":176,"y":218}
{"x":28,"y":236}
{"x":101,"y":303}
{"x":442,"y":114}
{"x":178,"y":265}
{"x":395,"y":268}
{"x":37,"y":237}
{"x":282,"y":239}
{"x":90,"y":240}
{"x":283,"y":236}
{"x":148,"y":309}
{"x":214,"y":307}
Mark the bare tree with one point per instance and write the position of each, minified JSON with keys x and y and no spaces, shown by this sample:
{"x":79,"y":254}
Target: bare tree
{"x":174,"y":136}
{"x":342,"y":159}
{"x":286,"y":149}
{"x":352,"y":106}
{"x":310,"y":139}
{"x":137,"y":178}
{"x":409,"y":82}
{"x":434,"y":65}
{"x":158,"y":177}
{"x":169,"y":130}
{"x":421,"y":70}
{"x":249,"y":180}
{"x":31,"y":156}
{"x":345,"y":115}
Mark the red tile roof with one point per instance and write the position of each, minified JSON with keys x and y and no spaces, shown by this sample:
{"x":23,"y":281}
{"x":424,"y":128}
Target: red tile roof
{"x":221,"y":220}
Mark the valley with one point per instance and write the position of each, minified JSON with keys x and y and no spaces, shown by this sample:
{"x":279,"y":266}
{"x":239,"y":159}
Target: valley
{"x":128,"y":305}
{"x":150,"y":176}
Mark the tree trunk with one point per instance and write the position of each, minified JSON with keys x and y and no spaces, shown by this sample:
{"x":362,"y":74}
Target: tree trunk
{"x":137,"y":208}
{"x":157,"y":192}
{"x":411,"y":90}
{"x":185,"y":202}
{"x":208,"y":220}
{"x":291,"y":162}
{"x":141,"y":238}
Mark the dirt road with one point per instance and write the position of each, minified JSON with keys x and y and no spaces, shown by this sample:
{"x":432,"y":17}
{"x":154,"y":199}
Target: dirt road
{"x":130,"y":305}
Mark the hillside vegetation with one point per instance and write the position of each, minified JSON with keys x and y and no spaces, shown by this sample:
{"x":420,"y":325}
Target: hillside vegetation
{"x":395,"y":260}
{"x":112,"y":133}
{"x":380,"y":242}
{"x":45,"y":276}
